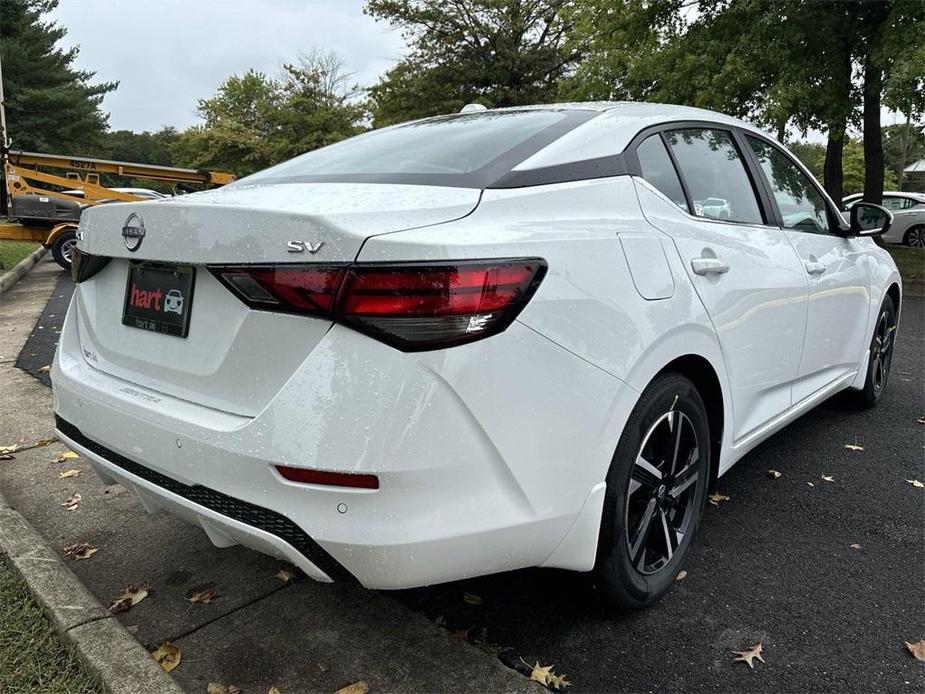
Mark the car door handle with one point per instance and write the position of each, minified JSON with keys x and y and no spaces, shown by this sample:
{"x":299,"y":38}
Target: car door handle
{"x":814,"y":268}
{"x":708,"y":266}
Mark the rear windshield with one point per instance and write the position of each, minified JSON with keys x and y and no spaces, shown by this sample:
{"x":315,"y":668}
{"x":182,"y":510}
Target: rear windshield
{"x":469,"y":150}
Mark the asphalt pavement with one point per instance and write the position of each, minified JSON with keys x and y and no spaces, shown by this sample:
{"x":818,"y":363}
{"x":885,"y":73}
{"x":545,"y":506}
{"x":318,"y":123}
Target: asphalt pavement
{"x":773,"y":565}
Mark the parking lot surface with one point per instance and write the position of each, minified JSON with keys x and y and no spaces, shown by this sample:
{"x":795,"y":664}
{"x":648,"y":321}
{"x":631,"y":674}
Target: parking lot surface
{"x":825,"y":573}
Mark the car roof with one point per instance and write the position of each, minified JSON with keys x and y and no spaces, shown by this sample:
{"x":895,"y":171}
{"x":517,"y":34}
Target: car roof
{"x":613,"y":128}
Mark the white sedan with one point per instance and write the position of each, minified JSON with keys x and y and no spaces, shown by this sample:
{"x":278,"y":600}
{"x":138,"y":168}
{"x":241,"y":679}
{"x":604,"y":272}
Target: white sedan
{"x":473,"y":343}
{"x":908,"y":211}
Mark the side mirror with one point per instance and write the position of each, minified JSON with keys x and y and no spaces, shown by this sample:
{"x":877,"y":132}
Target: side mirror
{"x":868,"y":219}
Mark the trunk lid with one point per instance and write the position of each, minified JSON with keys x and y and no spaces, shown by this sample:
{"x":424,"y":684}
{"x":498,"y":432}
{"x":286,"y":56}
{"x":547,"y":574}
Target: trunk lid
{"x":234,"y":358}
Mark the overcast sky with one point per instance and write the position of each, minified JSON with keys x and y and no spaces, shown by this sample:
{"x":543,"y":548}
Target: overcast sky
{"x":167,"y":54}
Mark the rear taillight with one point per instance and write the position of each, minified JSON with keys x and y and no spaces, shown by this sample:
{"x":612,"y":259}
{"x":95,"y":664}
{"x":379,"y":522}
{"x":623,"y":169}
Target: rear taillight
{"x":411,"y":306}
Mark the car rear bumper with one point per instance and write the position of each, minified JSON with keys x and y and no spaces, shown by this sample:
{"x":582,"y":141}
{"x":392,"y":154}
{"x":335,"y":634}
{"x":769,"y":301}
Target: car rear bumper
{"x":467,"y":485}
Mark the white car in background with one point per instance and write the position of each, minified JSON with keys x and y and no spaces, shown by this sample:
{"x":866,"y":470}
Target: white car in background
{"x":908,"y":216}
{"x":473,"y":343}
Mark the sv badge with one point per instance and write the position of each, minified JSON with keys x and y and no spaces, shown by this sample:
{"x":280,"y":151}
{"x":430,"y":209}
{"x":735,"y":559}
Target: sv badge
{"x":302,"y":246}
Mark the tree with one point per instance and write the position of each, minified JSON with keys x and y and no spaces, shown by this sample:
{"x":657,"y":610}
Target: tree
{"x":905,"y":92}
{"x":238,"y":129}
{"x":774,"y":62}
{"x":779,"y":63}
{"x":144,"y":147}
{"x":902,"y":145}
{"x":495,"y":52}
{"x":254,"y":121}
{"x":50,"y":105}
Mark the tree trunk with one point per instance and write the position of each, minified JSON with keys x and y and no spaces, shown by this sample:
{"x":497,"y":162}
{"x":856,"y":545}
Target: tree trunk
{"x":905,"y":152}
{"x":873,"y":136}
{"x":832,"y":174}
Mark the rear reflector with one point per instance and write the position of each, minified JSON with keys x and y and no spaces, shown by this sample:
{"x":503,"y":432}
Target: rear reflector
{"x":411,"y":306}
{"x":334,"y":479}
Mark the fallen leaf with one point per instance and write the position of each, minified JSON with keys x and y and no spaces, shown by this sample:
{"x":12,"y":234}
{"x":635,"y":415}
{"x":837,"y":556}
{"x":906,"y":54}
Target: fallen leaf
{"x":558,"y":681}
{"x":811,"y":484}
{"x":284,"y":575}
{"x":203,"y":596}
{"x":461,"y":634}
{"x":774,"y":473}
{"x":131,"y":596}
{"x":682,"y":574}
{"x":132,"y":629}
{"x":854,"y":447}
{"x":546,"y":676}
{"x":218,"y":688}
{"x":44,"y":442}
{"x":7,"y":456}
{"x":45,"y":369}
{"x":855,"y":546}
{"x":82,"y":550}
{"x":749,"y":655}
{"x":73,"y":472}
{"x":828,"y":478}
{"x":716,"y":498}
{"x":540,"y":674}
{"x":8,"y":449}
{"x":273,"y":690}
{"x":917,"y":649}
{"x":472,"y":599}
{"x":67,"y":455}
{"x":356,"y":688}
{"x":167,"y":656}
{"x":916,"y":483}
{"x":73,"y":502}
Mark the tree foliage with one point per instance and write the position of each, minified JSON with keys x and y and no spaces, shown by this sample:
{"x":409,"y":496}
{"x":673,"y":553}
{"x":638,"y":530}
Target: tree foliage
{"x":495,"y":52}
{"x":254,"y":121}
{"x":50,"y":105}
{"x":780,"y":63}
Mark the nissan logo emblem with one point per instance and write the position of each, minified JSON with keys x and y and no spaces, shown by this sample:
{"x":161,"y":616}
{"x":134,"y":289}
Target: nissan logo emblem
{"x":133,"y":232}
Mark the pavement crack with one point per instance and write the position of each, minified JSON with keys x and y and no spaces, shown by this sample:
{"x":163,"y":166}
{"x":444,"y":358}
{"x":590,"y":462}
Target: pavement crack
{"x":174,"y":639}
{"x":89,"y":620}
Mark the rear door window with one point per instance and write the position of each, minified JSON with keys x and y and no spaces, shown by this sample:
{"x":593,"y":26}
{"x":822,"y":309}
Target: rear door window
{"x":715,"y":175}
{"x":658,"y":170}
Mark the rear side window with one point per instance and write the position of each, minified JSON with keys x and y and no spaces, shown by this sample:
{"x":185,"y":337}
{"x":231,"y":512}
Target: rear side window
{"x":658,"y":170}
{"x":715,"y":175}
{"x":801,"y":204}
{"x":896,"y":203}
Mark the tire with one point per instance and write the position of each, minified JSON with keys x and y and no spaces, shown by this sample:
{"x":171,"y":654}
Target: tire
{"x":62,"y":248}
{"x":915,"y":237}
{"x":881,"y":355}
{"x":632,"y":571}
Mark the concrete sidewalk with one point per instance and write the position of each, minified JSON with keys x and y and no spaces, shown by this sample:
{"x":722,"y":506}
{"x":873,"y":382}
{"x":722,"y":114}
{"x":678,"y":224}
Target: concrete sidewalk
{"x":259,"y":632}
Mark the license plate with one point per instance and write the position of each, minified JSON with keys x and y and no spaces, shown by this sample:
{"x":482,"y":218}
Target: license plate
{"x":159,"y":298}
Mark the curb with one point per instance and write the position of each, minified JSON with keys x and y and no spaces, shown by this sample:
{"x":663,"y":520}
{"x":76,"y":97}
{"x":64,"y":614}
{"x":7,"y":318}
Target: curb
{"x":21,"y":268}
{"x":103,"y":644}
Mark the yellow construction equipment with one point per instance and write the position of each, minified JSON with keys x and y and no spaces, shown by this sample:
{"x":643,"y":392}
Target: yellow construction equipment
{"x":46,"y":207}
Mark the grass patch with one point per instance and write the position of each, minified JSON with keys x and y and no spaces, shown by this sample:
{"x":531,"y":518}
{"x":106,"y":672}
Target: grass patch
{"x":11,"y":252}
{"x":32,"y":657}
{"x":910,"y":261}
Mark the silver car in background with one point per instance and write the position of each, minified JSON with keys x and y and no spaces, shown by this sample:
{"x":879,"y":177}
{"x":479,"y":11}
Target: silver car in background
{"x":908,"y":216}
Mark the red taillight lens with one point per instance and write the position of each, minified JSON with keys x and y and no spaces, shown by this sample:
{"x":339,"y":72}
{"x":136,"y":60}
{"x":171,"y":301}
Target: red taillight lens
{"x":411,"y":306}
{"x":292,"y":288}
{"x":417,"y":307}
